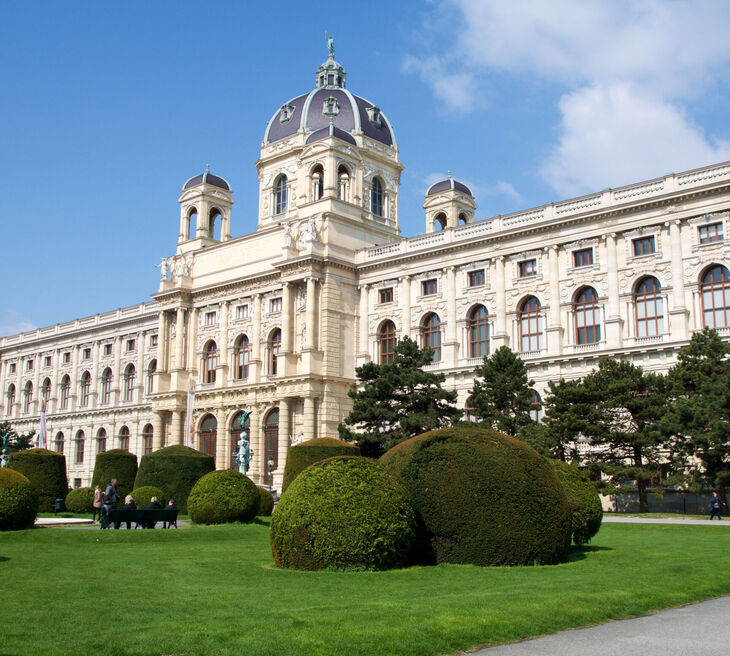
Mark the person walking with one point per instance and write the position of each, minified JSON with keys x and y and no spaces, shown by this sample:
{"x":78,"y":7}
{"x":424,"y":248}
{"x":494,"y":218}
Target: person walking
{"x":111,"y":496}
{"x":96,"y":504}
{"x":715,"y":507}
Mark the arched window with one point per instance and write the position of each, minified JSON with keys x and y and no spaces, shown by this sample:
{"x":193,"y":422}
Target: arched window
{"x":242,"y":355}
{"x":106,"y":386}
{"x":715,"y":291}
{"x":79,"y":444}
{"x":343,"y":176}
{"x":439,"y":221}
{"x":27,"y":397}
{"x":45,"y":393}
{"x":535,"y":407}
{"x":130,"y":377}
{"x":58,"y":442}
{"x":274,"y":348}
{"x":478,"y":332}
{"x":151,"y":369}
{"x":147,"y":437}
{"x":192,"y":223}
{"x":469,"y":411}
{"x":281,"y":196}
{"x":236,"y":435}
{"x":386,"y":342}
{"x":462,"y":218}
{"x":317,"y":182}
{"x":271,"y":445}
{"x":377,"y":197}
{"x":210,"y":361}
{"x":431,"y":335}
{"x":530,"y":322}
{"x":649,"y":308}
{"x":85,"y":389}
{"x":101,"y":440}
{"x":215,"y":220}
{"x":208,"y":433}
{"x":65,"y":392}
{"x":11,"y":400}
{"x":124,"y":438}
{"x":587,"y":317}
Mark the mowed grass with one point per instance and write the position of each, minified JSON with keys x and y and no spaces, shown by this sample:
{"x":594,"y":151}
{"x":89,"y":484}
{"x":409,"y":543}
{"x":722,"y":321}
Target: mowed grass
{"x":214,"y":590}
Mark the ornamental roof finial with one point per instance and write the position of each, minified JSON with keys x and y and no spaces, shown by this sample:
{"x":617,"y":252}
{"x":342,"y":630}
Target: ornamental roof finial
{"x":330,"y":45}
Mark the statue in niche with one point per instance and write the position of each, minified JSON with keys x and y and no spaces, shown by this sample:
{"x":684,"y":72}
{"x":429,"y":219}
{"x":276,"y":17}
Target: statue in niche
{"x":308,"y":232}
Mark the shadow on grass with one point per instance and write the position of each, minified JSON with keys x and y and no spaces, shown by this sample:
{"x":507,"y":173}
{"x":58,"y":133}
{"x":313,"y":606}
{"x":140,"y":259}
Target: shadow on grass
{"x":3,"y":559}
{"x":580,"y":553}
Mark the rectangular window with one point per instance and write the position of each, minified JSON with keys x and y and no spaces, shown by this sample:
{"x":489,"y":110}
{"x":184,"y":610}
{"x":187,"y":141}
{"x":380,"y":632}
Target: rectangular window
{"x":29,"y":365}
{"x":12,"y":367}
{"x":87,"y":354}
{"x":153,"y":340}
{"x":275,"y":305}
{"x":130,"y":345}
{"x":583,"y":257}
{"x":67,"y":357}
{"x":528,"y":268}
{"x":429,"y":287}
{"x":107,"y":349}
{"x":475,"y":278}
{"x":242,"y":312}
{"x":210,"y":318}
{"x":710,"y":233}
{"x":644,"y":246}
{"x":77,"y":482}
{"x":386,"y":295}
{"x":47,"y":361}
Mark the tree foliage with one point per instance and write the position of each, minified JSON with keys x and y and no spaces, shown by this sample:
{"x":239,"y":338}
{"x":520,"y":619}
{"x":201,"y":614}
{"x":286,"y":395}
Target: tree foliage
{"x":398,"y":400}
{"x":501,"y":396}
{"x":16,"y":441}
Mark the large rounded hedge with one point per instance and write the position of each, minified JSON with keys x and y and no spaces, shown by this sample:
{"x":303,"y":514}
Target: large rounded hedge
{"x":143,"y":495}
{"x":46,"y":471}
{"x":585,"y":503}
{"x":266,"y":507}
{"x":344,"y":512}
{"x":119,"y":464}
{"x":18,"y":501}
{"x":174,"y":469}
{"x":223,"y":496}
{"x":301,"y":456}
{"x":482,"y":498}
{"x":80,"y":500}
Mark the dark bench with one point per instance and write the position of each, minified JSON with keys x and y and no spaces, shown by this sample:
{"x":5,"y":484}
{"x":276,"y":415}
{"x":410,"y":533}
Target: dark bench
{"x":144,"y":518}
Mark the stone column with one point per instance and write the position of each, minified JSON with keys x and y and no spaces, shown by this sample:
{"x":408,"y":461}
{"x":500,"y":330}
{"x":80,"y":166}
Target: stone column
{"x":95,"y":375}
{"x":364,"y":331}
{"x":406,"y":305}
{"x":310,"y":418}
{"x":222,"y":440}
{"x":73,"y":391}
{"x":117,"y":371}
{"x":501,"y":337}
{"x":162,"y":343}
{"x":286,"y":319}
{"x":192,"y":363}
{"x":257,"y":444}
{"x":222,"y":374}
{"x":158,"y":426}
{"x":53,"y":405}
{"x":140,"y":366}
{"x":284,"y":430}
{"x":311,"y":333}
{"x":35,"y":407}
{"x":679,"y":314}
{"x":180,"y":339}
{"x":612,"y":321}
{"x":451,"y":345}
{"x":225,"y":226}
{"x":176,"y":427}
{"x":555,"y":326}
{"x":255,"y":341}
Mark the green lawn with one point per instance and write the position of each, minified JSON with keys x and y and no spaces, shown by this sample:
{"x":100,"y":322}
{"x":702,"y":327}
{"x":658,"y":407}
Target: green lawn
{"x":215,"y":590}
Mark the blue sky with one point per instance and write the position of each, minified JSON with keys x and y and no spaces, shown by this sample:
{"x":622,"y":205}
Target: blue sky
{"x":109,"y":107}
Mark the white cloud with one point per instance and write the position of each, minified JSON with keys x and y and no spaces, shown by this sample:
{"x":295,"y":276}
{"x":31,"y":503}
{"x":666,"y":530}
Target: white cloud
{"x":455,"y":90}
{"x":12,"y":323}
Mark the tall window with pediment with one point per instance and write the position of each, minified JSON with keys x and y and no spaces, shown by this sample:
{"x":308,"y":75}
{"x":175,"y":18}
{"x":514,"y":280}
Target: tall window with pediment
{"x":431,"y":335}
{"x":715,"y":293}
{"x":478,"y":331}
{"x":274,"y":348}
{"x":281,"y":195}
{"x":65,"y":392}
{"x":649,"y":308}
{"x":242,"y":355}
{"x":130,"y":378}
{"x":386,"y":342}
{"x":530,"y":325}
{"x":27,"y":397}
{"x":106,"y":386}
{"x":377,"y":197}
{"x":85,"y":389}
{"x":210,"y":361}
{"x":587,"y":317}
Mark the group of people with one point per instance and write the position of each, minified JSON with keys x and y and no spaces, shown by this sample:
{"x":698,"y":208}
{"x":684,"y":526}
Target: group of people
{"x":106,"y":501}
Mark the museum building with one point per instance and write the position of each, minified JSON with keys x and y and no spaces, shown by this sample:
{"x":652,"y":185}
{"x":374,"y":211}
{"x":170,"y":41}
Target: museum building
{"x":275,"y":322}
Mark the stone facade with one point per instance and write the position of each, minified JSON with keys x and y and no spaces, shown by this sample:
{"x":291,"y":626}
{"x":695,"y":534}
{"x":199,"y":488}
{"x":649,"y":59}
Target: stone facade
{"x":275,"y":322}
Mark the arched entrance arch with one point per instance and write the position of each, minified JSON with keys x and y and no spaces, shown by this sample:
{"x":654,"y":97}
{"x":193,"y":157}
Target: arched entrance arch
{"x":271,"y":445}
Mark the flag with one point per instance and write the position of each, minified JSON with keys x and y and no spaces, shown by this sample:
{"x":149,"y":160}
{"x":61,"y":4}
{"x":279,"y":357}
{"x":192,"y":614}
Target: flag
{"x":42,"y":429}
{"x":190,"y":433}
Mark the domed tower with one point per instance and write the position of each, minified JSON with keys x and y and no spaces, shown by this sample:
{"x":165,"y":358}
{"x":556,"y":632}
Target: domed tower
{"x":205,"y":212}
{"x":330,"y":154}
{"x":449,"y":204}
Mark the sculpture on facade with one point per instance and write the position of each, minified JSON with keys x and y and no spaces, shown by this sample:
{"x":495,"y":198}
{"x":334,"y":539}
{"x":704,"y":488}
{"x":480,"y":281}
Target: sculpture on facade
{"x":331,"y":46}
{"x":4,"y":459}
{"x":242,"y":456}
{"x":164,"y":267}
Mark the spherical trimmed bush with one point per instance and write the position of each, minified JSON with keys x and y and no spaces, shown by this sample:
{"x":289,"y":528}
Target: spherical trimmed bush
{"x":46,"y":471}
{"x":585,"y":503}
{"x":266,"y":507}
{"x":223,"y":496}
{"x":119,"y":464}
{"x":18,"y":501}
{"x":174,"y":469}
{"x":301,"y":456}
{"x":482,"y":498}
{"x":344,"y":512}
{"x":80,"y":500}
{"x":143,"y":495}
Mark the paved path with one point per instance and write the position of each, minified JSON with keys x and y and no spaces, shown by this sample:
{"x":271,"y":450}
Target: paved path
{"x":61,"y":521}
{"x":696,"y":630}
{"x":665,"y":520}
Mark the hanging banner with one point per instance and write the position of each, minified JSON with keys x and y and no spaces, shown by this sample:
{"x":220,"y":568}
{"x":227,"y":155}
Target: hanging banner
{"x":42,"y":429}
{"x":190,"y":432}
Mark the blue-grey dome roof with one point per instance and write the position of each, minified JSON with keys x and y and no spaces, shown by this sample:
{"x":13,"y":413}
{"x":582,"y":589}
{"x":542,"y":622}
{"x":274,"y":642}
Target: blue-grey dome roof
{"x":330,"y":103}
{"x":445,"y":185}
{"x":207,"y":178}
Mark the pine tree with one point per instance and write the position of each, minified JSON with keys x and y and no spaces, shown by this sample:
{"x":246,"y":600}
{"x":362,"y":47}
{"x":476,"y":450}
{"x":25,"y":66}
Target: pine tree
{"x":502,"y":399}
{"x":398,"y":400}
{"x":15,"y":441}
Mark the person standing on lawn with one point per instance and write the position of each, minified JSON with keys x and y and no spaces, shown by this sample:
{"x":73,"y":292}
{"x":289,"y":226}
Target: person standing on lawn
{"x":96,"y":504}
{"x":715,"y":507}
{"x":109,"y":502}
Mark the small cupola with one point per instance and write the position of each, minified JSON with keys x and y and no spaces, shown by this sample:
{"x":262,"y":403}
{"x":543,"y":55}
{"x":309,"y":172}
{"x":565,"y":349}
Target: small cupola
{"x":331,"y":74}
{"x":449,"y":204}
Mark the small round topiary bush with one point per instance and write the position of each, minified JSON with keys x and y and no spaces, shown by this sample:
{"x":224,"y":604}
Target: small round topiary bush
{"x":301,"y":456}
{"x":80,"y":500}
{"x":46,"y":471}
{"x":18,"y":501}
{"x":119,"y":464}
{"x":482,"y":498}
{"x":174,"y":469}
{"x":143,"y":495}
{"x":585,"y":503}
{"x":266,"y":507}
{"x":223,"y":496}
{"x":344,"y":512}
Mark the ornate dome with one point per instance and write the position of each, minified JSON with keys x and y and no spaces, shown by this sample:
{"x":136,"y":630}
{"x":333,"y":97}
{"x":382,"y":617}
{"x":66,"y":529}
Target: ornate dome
{"x":330,"y":104}
{"x":207,"y":178}
{"x":445,"y":185}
